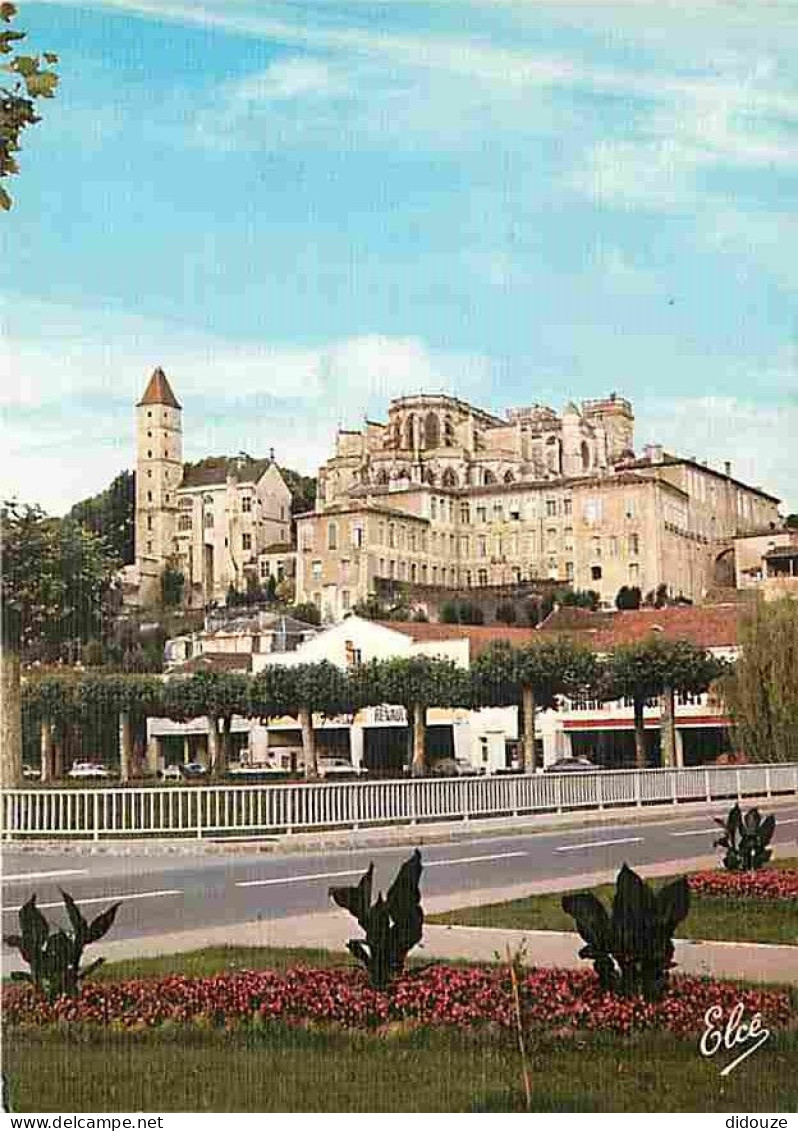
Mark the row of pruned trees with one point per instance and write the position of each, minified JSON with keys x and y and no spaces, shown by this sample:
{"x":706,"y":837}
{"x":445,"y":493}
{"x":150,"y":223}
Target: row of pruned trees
{"x":533,"y":678}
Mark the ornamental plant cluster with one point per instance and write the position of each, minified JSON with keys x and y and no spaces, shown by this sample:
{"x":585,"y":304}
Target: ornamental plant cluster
{"x":746,"y":839}
{"x":766,"y":884}
{"x":559,"y":1001}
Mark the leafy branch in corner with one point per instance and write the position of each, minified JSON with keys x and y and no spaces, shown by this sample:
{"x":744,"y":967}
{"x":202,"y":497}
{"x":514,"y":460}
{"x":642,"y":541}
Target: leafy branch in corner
{"x":29,"y":80}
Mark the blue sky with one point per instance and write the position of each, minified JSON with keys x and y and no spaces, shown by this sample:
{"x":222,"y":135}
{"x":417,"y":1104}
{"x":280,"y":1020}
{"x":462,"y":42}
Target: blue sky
{"x":302,"y":209}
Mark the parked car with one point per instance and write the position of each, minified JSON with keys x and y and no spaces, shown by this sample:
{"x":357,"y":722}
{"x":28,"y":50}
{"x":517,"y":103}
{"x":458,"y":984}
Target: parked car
{"x":571,"y":765}
{"x":193,"y":770}
{"x":172,"y":773}
{"x":30,"y":771}
{"x":88,"y":770}
{"x":339,"y":768}
{"x":453,"y":768}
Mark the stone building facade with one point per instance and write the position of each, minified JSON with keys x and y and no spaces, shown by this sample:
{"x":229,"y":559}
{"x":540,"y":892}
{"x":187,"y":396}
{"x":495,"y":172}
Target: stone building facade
{"x":213,"y":521}
{"x":446,"y":494}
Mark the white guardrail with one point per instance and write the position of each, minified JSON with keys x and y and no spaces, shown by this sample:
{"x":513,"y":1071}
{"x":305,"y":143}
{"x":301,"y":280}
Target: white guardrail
{"x":235,"y":809}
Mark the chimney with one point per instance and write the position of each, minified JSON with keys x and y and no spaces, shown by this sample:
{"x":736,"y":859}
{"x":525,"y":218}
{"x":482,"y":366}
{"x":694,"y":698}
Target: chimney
{"x":727,"y":468}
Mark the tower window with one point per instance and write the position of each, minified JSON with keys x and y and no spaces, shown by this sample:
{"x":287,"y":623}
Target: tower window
{"x":149,"y":455}
{"x":149,"y":413}
{"x":149,"y":547}
{"x":246,"y":504}
{"x":149,"y":522}
{"x":246,"y":541}
{"x":149,"y":496}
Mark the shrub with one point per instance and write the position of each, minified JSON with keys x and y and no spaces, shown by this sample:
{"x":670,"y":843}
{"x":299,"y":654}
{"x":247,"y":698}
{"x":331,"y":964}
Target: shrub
{"x":745,"y":839}
{"x":393,"y":925}
{"x":54,"y":957}
{"x":632,"y":950}
{"x":505,"y":613}
{"x":766,"y":884}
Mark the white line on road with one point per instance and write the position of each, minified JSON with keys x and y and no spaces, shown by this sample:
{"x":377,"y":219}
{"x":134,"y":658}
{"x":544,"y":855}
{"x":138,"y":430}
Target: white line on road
{"x":788,"y":821}
{"x":599,"y":844}
{"x":106,"y":898}
{"x":697,"y":832}
{"x":22,"y":877}
{"x":472,"y":859}
{"x":297,"y":879}
{"x":358,"y":871}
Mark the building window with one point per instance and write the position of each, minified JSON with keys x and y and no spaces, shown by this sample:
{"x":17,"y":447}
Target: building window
{"x":315,"y":571}
{"x":613,"y":546}
{"x":592,"y":511}
{"x":566,"y":506}
{"x":413,"y":571}
{"x":391,"y":535}
{"x":482,"y":514}
{"x":149,"y":414}
{"x":149,"y":547}
{"x":149,"y":496}
{"x":246,"y":504}
{"x":423,"y":575}
{"x":246,"y":541}
{"x":551,"y":508}
{"x":630,"y":508}
{"x":345,"y":570}
{"x":382,"y":567}
{"x":184,"y":522}
{"x":434,"y":575}
{"x":357,"y":537}
{"x":345,"y":605}
{"x":149,"y":455}
{"x":634,"y":571}
{"x":332,"y":536}
{"x":634,"y":545}
{"x":569,"y":571}
{"x":482,"y":546}
{"x":465,"y":513}
{"x":498,"y":512}
{"x":149,"y":522}
{"x":392,"y":568}
{"x":264,"y":570}
{"x":482,"y":577}
{"x":433,"y":507}
{"x":595,"y":573}
{"x":468,"y":579}
{"x":207,"y":519}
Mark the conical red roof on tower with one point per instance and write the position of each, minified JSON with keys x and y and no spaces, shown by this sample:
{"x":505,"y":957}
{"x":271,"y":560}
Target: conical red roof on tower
{"x":159,"y":391}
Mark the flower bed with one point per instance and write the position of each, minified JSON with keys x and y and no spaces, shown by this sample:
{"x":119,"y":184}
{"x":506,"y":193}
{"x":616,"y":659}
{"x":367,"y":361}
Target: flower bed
{"x":765,"y":884}
{"x":437,"y":995}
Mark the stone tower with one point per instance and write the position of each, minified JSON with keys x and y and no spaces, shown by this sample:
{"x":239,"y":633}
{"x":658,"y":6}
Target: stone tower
{"x":159,"y":469}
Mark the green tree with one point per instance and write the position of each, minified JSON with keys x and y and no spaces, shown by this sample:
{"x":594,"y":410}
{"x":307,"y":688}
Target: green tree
{"x":761,"y":691}
{"x":505,"y":613}
{"x":628,"y":598}
{"x":55,"y":578}
{"x":578,"y":598}
{"x":130,"y":699}
{"x":29,"y":81}
{"x":461,"y":612}
{"x":307,"y":612}
{"x":415,"y":683}
{"x":172,"y":585}
{"x":315,"y":689}
{"x":791,"y":522}
{"x":110,"y":514}
{"x":534,"y":678}
{"x":655,"y":669}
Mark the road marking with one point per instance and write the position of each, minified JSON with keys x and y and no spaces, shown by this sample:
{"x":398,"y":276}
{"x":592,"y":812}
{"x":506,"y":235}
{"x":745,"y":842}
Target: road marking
{"x":697,"y":832}
{"x":472,"y":859}
{"x":22,"y":877}
{"x":789,"y":821}
{"x":359,"y":871}
{"x":298,"y":879}
{"x":106,"y":898}
{"x":599,"y":844}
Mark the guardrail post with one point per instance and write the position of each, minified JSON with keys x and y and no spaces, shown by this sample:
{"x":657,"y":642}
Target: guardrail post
{"x":638,"y":789}
{"x":96,"y":815}
{"x":767,"y":781}
{"x":413,"y":806}
{"x":739,"y":785}
{"x":599,"y":792}
{"x":707,"y":783}
{"x":558,"y":792}
{"x":199,"y":813}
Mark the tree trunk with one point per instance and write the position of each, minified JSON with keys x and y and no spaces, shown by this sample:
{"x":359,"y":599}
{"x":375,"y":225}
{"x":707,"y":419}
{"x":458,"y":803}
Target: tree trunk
{"x":213,"y":745}
{"x":668,"y":728}
{"x":47,"y":749}
{"x":419,"y":764}
{"x":640,"y":734}
{"x":10,"y":719}
{"x":125,"y":746}
{"x":528,"y":759}
{"x":224,"y":761}
{"x":139,"y":763}
{"x":308,"y":743}
{"x":59,"y":772}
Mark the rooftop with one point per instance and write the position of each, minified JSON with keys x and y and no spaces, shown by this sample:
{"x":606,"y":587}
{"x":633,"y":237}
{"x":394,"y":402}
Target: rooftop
{"x":159,"y":391}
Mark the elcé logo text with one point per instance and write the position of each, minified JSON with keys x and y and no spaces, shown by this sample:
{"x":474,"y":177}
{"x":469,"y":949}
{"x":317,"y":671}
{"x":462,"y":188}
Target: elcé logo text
{"x":734,"y":1033}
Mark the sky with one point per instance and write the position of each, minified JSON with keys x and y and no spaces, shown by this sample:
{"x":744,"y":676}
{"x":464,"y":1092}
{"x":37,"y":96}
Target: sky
{"x":302,"y":209}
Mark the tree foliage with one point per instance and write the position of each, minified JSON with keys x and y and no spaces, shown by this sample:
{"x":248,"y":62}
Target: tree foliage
{"x":761,"y":691}
{"x":110,"y":514}
{"x":27,"y":81}
{"x":628,"y":598}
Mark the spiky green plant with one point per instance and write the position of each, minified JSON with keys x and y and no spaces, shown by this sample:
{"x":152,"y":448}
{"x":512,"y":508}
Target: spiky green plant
{"x":393,"y":925}
{"x":746,"y":839}
{"x":54,"y":957}
{"x":631,"y":948}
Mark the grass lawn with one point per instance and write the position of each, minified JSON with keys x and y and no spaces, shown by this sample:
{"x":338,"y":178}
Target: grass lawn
{"x":426,"y":1070}
{"x":740,"y":920}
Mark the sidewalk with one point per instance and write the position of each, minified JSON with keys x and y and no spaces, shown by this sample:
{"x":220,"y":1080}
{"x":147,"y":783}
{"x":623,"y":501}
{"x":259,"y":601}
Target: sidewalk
{"x":329,"y":930}
{"x":391,"y":836}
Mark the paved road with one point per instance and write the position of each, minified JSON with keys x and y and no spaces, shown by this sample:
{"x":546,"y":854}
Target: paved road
{"x":171,"y":893}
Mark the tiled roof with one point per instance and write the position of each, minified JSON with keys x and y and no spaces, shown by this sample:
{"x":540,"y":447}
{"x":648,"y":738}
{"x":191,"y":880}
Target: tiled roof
{"x":214,"y":470}
{"x":279,"y":548}
{"x":707,"y":626}
{"x":159,"y":391}
{"x":215,"y":662}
